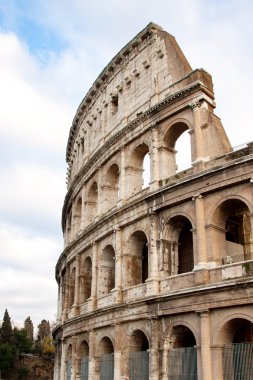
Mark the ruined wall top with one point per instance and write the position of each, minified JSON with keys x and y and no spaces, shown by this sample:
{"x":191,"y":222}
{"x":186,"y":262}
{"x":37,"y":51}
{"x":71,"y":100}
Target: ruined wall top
{"x":138,"y":77}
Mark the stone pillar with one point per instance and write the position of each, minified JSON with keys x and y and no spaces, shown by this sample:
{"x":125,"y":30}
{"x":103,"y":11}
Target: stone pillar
{"x":93,"y":298}
{"x":154,"y":367}
{"x":74,"y":349}
{"x":100,"y":208}
{"x":153,"y":279}
{"x":165,"y":364}
{"x":154,"y":161}
{"x":93,"y":359}
{"x":117,"y":352}
{"x":206,"y":363}
{"x":118,"y":265}
{"x":66,"y":293}
{"x":122,"y":187}
{"x":217,"y":359}
{"x":200,"y":230}
{"x":83,"y":216}
{"x":63,"y":360}
{"x":77,"y":286}
{"x":197,"y":131}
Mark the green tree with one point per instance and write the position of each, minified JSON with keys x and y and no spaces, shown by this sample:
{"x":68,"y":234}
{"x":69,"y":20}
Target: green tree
{"x":23,"y":373}
{"x":7,"y":357}
{"x":28,"y":325}
{"x":48,"y":348}
{"x":6,"y":330}
{"x":21,"y":341}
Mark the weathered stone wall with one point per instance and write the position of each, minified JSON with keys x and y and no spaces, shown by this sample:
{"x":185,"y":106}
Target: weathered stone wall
{"x":153,"y":268}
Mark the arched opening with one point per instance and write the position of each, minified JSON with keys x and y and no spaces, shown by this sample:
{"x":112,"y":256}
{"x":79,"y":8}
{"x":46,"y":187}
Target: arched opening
{"x":138,"y":259}
{"x":182,"y":357}
{"x":185,"y":248}
{"x":169,"y":153}
{"x":138,"y":356}
{"x":107,"y":271}
{"x":237,"y":337}
{"x":183,"y":152}
{"x":111,"y":187}
{"x":77,"y":217}
{"x":84,"y":362}
{"x":136,"y":170}
{"x":234,"y":245}
{"x":177,"y":246}
{"x":72,"y":287}
{"x":92,"y":202}
{"x":86,"y":280}
{"x":69,"y":362}
{"x":106,"y":356}
{"x":146,"y":171}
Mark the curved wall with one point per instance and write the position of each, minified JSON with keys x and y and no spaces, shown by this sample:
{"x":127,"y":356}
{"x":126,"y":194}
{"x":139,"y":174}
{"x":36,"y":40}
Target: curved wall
{"x":147,"y":270}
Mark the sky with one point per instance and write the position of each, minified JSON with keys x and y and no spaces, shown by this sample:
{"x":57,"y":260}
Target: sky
{"x":51,"y":51}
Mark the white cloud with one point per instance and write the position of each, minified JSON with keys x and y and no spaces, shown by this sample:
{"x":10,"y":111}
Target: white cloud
{"x":27,"y":285}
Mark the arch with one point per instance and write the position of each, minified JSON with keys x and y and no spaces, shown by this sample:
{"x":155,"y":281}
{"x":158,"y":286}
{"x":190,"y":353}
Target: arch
{"x":106,"y":270}
{"x":232,"y":231}
{"x":138,"y":341}
{"x":92,"y":202}
{"x":135,"y":169}
{"x":172,"y":134}
{"x":84,"y":348}
{"x":72,"y":282}
{"x":111,"y":187}
{"x":236,"y":336}
{"x":181,"y":360}
{"x":86,"y":280}
{"x":106,"y":358}
{"x":138,"y":355}
{"x":177,"y":246}
{"x":228,"y":327}
{"x":105,"y":346}
{"x":138,"y":259}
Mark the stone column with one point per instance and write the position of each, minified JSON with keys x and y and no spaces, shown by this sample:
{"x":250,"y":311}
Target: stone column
{"x":118,"y":265}
{"x":74,"y":368}
{"x":122,"y":187}
{"x":217,"y":359}
{"x":153,"y":280}
{"x":83,"y":216}
{"x":154,"y":160}
{"x":117,"y":352}
{"x":200,"y":230}
{"x":93,"y":359}
{"x":59,"y":304}
{"x":206,"y":363}
{"x":154,"y":368}
{"x":93,"y":298}
{"x":197,"y":131}
{"x":77,"y":286}
{"x":63,"y":360}
{"x":100,"y":208}
{"x":66,"y":294}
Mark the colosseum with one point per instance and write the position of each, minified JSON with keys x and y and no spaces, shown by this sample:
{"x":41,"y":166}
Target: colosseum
{"x":155,"y":279}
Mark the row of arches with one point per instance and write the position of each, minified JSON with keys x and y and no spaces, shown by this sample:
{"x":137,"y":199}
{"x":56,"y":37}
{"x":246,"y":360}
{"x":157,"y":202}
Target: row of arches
{"x":230,"y":241}
{"x":127,"y":176}
{"x":179,"y":358}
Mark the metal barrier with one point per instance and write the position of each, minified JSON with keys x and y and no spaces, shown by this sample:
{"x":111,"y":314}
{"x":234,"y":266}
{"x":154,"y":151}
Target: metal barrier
{"x":139,"y":365}
{"x":182,"y":364}
{"x":107,"y":367}
{"x":238,"y":361}
{"x":85,"y":368}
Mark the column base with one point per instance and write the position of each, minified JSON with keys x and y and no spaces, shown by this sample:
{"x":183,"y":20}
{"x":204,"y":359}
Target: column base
{"x":153,"y":287}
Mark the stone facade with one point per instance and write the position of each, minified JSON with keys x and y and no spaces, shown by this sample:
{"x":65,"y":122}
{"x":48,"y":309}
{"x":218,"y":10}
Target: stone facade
{"x":149,"y":275}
